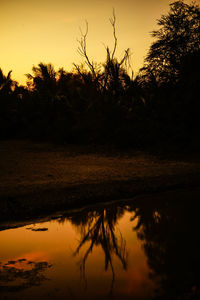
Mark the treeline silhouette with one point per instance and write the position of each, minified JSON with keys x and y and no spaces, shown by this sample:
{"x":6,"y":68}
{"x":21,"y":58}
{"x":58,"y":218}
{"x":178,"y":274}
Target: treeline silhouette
{"x":104,"y":103}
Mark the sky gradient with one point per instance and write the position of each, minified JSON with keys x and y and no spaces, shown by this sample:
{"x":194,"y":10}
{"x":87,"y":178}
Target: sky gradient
{"x":47,"y":31}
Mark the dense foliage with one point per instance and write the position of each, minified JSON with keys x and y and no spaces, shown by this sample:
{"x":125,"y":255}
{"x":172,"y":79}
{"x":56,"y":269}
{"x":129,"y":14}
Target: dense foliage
{"x":103,"y":103}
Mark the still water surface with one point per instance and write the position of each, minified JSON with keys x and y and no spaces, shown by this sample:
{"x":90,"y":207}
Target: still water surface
{"x":143,"y":249}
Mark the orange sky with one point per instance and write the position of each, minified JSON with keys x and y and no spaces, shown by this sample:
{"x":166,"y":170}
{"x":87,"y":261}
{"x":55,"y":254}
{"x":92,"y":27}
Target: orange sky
{"x":47,"y":31}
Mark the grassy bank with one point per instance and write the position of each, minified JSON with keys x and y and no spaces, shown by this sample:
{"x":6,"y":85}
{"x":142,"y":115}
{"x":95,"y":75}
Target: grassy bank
{"x":37,"y":179}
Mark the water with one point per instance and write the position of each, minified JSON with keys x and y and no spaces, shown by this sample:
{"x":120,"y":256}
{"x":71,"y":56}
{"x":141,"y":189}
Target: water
{"x":147,"y":248}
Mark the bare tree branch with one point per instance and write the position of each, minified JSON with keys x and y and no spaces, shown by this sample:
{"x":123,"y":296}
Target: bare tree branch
{"x":113,"y":22}
{"x":82,"y":49}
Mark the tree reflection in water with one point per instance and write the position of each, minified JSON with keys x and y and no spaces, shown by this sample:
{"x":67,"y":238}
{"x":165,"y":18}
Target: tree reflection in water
{"x":98,"y":228}
{"x":167,"y":225}
{"x":169,"y":229}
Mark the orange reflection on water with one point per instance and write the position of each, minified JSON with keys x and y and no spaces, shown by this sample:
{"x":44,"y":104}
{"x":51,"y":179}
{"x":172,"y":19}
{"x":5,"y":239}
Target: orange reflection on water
{"x":57,"y":246}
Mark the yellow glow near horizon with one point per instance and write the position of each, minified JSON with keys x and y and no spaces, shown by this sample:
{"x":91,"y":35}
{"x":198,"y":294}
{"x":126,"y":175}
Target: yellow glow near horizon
{"x":46,"y":31}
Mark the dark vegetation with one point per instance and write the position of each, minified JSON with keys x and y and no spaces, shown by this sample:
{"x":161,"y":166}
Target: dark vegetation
{"x":104,"y":103}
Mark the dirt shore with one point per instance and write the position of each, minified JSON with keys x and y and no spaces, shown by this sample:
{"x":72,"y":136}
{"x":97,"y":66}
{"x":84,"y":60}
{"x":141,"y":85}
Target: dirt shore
{"x":37,"y":177}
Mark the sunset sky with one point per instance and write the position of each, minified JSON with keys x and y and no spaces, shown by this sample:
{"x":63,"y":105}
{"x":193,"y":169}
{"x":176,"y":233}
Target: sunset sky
{"x":47,"y":31}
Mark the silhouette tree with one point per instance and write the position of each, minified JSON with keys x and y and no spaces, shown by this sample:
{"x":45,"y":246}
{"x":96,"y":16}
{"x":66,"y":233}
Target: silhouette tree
{"x":111,"y":75}
{"x":178,"y":35}
{"x":6,"y":82}
{"x":43,"y":80}
{"x":9,"y":106}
